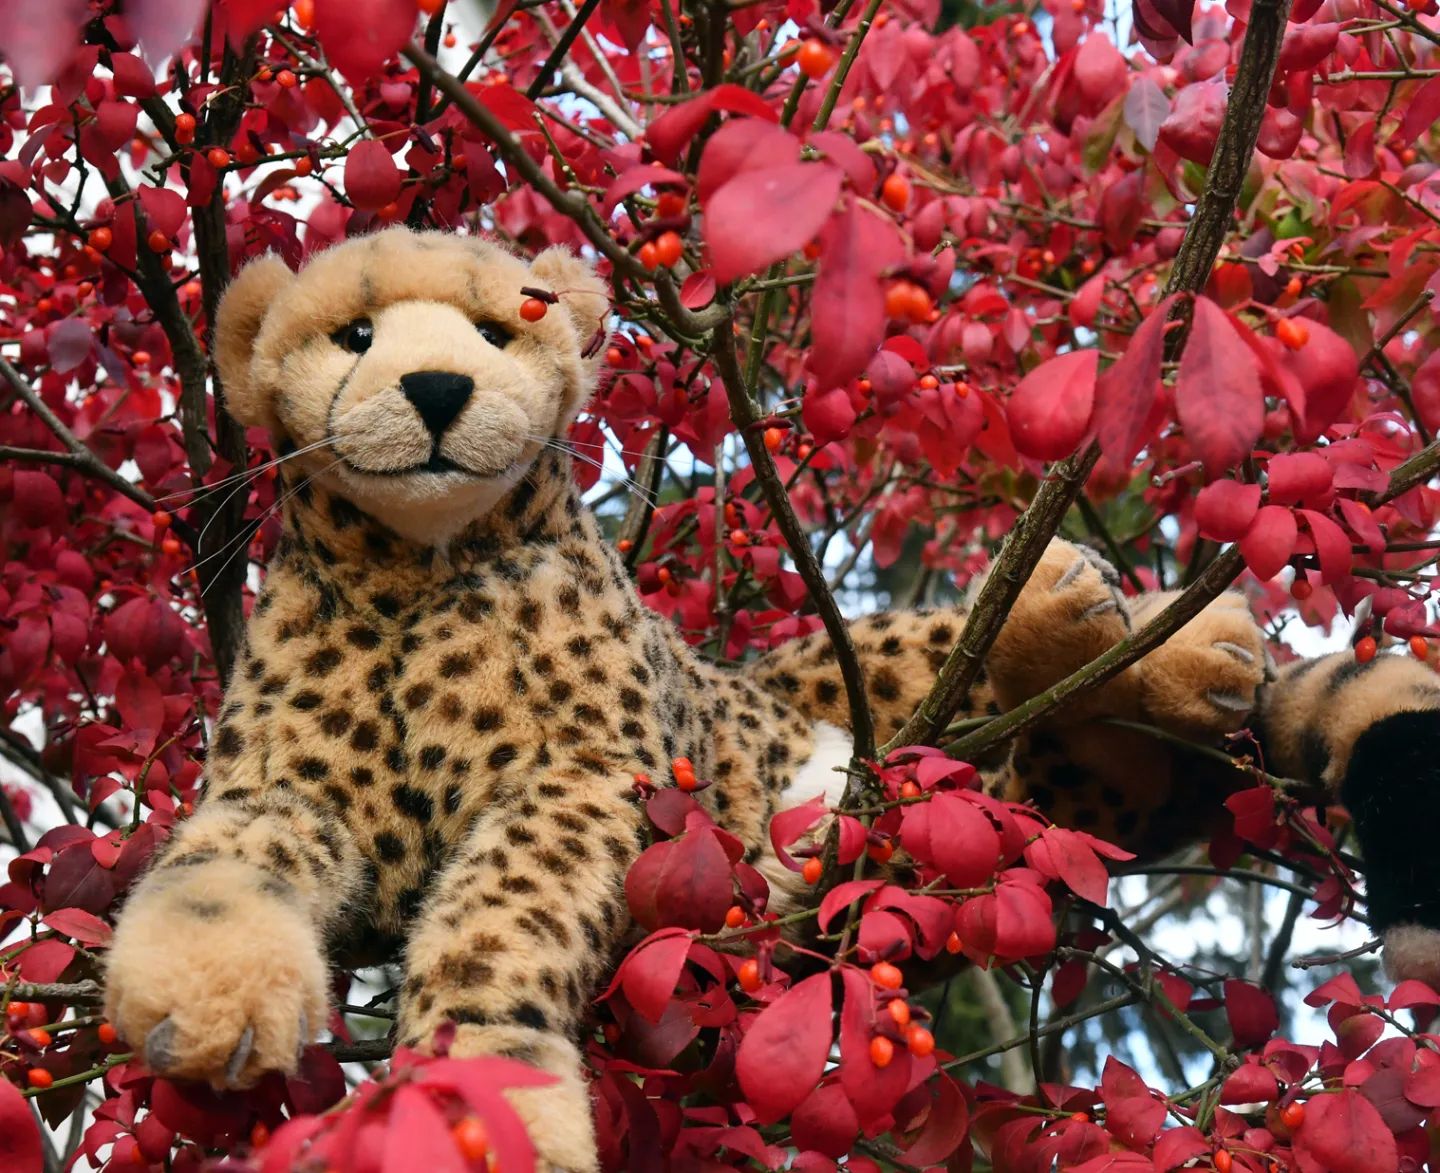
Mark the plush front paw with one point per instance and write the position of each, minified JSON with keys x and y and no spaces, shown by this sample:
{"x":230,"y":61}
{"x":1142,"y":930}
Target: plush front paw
{"x":1070,"y":611}
{"x":214,"y":975}
{"x":1204,"y":681}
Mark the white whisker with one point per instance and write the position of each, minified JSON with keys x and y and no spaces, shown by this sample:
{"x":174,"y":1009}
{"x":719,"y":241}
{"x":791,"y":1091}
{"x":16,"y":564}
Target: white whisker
{"x":203,"y":491}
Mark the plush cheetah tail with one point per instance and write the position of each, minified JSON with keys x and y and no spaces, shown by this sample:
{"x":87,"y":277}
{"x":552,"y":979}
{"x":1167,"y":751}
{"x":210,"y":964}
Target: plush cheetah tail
{"x":1369,"y":736}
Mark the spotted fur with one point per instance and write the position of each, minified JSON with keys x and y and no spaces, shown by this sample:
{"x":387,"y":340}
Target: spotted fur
{"x":430,"y":743}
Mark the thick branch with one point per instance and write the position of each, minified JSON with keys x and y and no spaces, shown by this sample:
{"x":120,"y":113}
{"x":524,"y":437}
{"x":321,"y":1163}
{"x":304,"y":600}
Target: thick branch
{"x":742,"y":412}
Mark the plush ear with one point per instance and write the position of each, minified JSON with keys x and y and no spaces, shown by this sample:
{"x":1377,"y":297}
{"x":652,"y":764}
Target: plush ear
{"x":585,"y":296}
{"x":242,"y":310}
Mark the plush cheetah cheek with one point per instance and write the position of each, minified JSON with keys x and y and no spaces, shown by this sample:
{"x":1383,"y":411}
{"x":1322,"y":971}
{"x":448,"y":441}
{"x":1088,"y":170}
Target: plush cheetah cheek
{"x":822,"y":772}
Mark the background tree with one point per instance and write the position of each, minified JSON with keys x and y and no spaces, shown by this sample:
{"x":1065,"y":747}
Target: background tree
{"x":892,"y":284}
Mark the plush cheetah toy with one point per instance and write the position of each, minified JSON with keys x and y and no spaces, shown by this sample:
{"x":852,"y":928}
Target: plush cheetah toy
{"x":450,"y":684}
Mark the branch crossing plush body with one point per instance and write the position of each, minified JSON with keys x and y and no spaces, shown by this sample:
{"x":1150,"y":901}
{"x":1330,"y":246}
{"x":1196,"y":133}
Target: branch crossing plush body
{"x":429,"y":746}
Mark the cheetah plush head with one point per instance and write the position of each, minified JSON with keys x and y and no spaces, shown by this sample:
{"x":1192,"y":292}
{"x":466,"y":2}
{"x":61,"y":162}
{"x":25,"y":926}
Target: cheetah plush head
{"x":399,"y":369}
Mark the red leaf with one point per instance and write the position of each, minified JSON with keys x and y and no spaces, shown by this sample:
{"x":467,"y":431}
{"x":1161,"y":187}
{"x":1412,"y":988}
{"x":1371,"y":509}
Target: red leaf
{"x":763,"y":216}
{"x":38,"y":502}
{"x":1177,"y":1146}
{"x":1225,"y":509}
{"x":371,"y":178}
{"x":651,"y":970}
{"x":1250,"y":1084}
{"x":633,"y":179}
{"x":1298,"y":476}
{"x":698,"y":290}
{"x":847,"y":305}
{"x":359,"y":36}
{"x":1343,"y":1133}
{"x":789,"y":825}
{"x":1127,"y":409}
{"x":954,"y":837}
{"x":1133,"y":1115}
{"x":417,"y":1135}
{"x":1331,"y":544}
{"x":671,"y":133}
{"x":37,"y":36}
{"x":745,"y":144}
{"x":1328,"y":370}
{"x":1270,"y":541}
{"x":70,"y":343}
{"x":85,"y":927}
{"x":828,"y":415}
{"x":686,"y":882}
{"x":783,"y":1053}
{"x":1422,"y":111}
{"x":874,"y":1091}
{"x":164,"y":209}
{"x":1217,"y":393}
{"x":1050,"y":410}
{"x":1062,"y":854}
{"x":825,"y":1122}
{"x":1251,"y":1012}
{"x":842,"y":896}
{"x":19,"y":1134}
{"x":1100,"y":69}
{"x":163,"y":26}
{"x":45,"y":961}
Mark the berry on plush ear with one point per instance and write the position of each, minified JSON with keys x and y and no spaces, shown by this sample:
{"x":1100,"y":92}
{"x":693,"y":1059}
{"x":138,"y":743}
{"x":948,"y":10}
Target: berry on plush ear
{"x":242,"y":311}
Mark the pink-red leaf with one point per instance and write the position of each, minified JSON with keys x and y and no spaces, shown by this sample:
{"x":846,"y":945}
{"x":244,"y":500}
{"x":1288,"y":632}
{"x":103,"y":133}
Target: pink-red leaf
{"x":763,"y":216}
{"x":1049,"y":411}
{"x":1217,"y":393}
{"x":783,"y":1053}
{"x":371,"y":178}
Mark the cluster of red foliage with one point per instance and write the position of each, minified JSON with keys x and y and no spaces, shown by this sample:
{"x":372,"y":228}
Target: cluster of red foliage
{"x":946,"y":251}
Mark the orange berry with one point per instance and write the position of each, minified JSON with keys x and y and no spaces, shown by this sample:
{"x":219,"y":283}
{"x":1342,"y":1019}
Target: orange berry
{"x":614,"y":357}
{"x":107,"y":1034}
{"x":44,"y":305}
{"x":389,"y":211}
{"x":880,"y":852}
{"x":286,"y":79}
{"x":259,"y":1135}
{"x":670,"y":205}
{"x":1419,"y":647}
{"x":305,"y":13}
{"x":170,"y":546}
{"x":774,"y":438}
{"x":532,"y":309}
{"x":895,"y":192}
{"x":471,"y":1138}
{"x":812,"y":870}
{"x":84,"y":289}
{"x":624,"y":545}
{"x":815,"y":58}
{"x":1223,"y":1161}
{"x":882,"y":1050}
{"x":668,"y":247}
{"x":265,"y":73}
{"x":909,"y":790}
{"x":649,"y":255}
{"x":160,"y":519}
{"x":40,"y":1037}
{"x":929,"y":382}
{"x":1080,"y":1117}
{"x":749,"y":975}
{"x":304,"y":165}
{"x":185,"y":122}
{"x":39,"y":1077}
{"x":899,"y":1010}
{"x":921,"y":307}
{"x":247,"y":154}
{"x":1292,"y":1116}
{"x":141,"y":358}
{"x":734,"y":917}
{"x":158,"y":242}
{"x":886,"y":976}
{"x":953,"y":944}
{"x":450,"y":40}
{"x":739,"y":537}
{"x":1293,"y":287}
{"x":1292,"y":332}
{"x":1365,"y":649}
{"x":812,"y":250}
{"x":1301,"y":589}
{"x":897,"y":300}
{"x":101,"y":238}
{"x":219,"y":157}
{"x":920,"y":1041}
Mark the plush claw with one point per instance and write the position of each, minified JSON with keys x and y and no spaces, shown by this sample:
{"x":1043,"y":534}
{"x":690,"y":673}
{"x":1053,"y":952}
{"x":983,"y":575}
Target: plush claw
{"x":159,"y":1055}
{"x":238,"y":1057}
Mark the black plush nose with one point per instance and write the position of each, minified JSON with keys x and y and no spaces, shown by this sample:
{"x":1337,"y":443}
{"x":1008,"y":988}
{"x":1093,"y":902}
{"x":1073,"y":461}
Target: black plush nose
{"x":437,"y":395}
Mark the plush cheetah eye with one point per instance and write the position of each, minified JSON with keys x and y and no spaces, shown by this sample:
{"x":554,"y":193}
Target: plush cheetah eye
{"x":493,"y":333}
{"x":356,"y":337}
